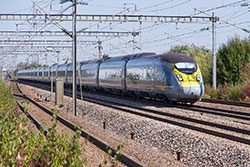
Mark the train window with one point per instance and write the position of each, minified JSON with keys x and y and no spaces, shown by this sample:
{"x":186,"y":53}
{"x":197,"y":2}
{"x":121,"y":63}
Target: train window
{"x":186,"y":67}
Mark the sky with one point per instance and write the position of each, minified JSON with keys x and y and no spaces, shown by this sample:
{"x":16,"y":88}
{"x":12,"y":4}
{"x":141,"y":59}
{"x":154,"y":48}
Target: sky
{"x":155,"y":37}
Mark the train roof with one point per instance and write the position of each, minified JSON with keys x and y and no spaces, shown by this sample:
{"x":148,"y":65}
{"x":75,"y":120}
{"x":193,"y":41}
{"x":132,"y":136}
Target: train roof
{"x":21,"y":71}
{"x":47,"y":68}
{"x":142,"y":55}
{"x":32,"y":70}
{"x":176,"y":57}
{"x":130,"y":57}
{"x":40,"y":69}
{"x":118,"y":58}
{"x":54,"y":68}
{"x":70,"y":67}
{"x":92,"y":61}
{"x":62,"y":67}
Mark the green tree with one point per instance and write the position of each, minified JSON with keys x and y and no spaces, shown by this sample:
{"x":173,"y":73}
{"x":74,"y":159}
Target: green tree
{"x":232,"y":59}
{"x":244,"y":75}
{"x":105,"y":56}
{"x":22,"y":65}
{"x":202,"y":56}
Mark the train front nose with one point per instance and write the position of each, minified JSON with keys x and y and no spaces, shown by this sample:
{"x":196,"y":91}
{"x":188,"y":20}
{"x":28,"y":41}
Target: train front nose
{"x":190,"y":92}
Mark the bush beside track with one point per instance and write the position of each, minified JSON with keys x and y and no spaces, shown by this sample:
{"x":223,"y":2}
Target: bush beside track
{"x":19,"y":146}
{"x":240,"y":92}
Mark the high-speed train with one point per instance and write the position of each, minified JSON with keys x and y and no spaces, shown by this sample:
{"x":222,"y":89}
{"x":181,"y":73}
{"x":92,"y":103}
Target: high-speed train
{"x":171,"y":77}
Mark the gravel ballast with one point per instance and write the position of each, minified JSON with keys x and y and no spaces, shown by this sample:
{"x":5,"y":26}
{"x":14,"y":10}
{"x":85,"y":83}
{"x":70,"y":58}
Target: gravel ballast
{"x":156,"y":143}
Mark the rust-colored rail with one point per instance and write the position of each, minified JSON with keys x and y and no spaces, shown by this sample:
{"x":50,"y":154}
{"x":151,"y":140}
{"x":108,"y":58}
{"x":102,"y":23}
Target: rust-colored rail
{"x":235,"y":103}
{"x":96,"y":141}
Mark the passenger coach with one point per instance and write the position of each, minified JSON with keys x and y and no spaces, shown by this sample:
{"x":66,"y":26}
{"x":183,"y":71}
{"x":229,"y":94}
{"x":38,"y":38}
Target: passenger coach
{"x":171,"y":77}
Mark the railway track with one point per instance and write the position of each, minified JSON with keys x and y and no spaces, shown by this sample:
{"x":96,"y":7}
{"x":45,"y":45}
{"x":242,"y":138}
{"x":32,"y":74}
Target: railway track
{"x":218,"y":101}
{"x":125,"y":159}
{"x":186,"y":122}
{"x":21,"y":98}
{"x":178,"y":120}
{"x":217,"y":111}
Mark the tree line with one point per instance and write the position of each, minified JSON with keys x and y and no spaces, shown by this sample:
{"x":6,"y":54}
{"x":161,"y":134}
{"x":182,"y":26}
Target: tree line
{"x":233,"y":67}
{"x":233,"y":60}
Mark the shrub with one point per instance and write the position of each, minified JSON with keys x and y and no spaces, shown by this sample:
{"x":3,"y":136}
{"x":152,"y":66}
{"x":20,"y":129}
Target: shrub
{"x":210,"y":92}
{"x":240,"y":92}
{"x":233,"y":93}
{"x":246,"y":93}
{"x":19,"y":146}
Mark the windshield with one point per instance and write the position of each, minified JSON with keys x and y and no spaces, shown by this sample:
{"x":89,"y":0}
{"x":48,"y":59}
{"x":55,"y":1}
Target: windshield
{"x":186,"y":67}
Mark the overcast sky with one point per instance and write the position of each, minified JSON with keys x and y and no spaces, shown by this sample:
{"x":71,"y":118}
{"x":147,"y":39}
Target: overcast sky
{"x":156,"y":36}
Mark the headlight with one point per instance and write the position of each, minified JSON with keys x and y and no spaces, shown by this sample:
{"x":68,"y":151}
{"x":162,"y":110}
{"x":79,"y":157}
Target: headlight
{"x":198,"y":77}
{"x":179,"y":77}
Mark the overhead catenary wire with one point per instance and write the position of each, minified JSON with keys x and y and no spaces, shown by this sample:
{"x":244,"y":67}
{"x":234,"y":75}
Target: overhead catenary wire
{"x":226,"y":22}
{"x":234,"y":17}
{"x":193,"y":34}
{"x":160,"y":28}
{"x":231,"y":15}
{"x":220,"y":7}
{"x":47,"y":3}
{"x":54,"y":22}
{"x":173,"y":6}
{"x":152,"y":6}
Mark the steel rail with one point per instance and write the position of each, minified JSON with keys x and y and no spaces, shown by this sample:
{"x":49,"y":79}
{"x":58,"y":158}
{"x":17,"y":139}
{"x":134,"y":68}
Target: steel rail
{"x":229,"y":128}
{"x":29,"y":115}
{"x":117,"y":106}
{"x":211,"y":132}
{"x":96,"y":141}
{"x":217,"y":111}
{"x":228,"y":102}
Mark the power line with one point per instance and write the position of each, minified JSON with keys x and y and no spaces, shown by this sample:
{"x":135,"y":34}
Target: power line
{"x":174,"y":6}
{"x":232,"y":14}
{"x":48,"y":16}
{"x":152,"y":6}
{"x":226,"y":22}
{"x":240,"y":15}
{"x":219,"y":7}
